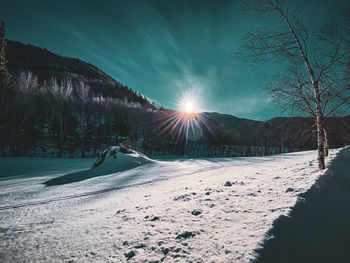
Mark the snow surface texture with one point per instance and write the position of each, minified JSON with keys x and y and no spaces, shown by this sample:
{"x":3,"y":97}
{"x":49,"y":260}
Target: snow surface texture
{"x":215,"y":210}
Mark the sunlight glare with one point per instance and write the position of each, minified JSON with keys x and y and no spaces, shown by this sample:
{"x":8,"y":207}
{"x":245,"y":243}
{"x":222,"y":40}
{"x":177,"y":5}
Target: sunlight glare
{"x":189,"y":107}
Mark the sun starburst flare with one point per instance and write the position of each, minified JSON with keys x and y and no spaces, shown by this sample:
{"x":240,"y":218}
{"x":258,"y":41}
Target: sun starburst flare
{"x":186,"y":124}
{"x":189,"y":107}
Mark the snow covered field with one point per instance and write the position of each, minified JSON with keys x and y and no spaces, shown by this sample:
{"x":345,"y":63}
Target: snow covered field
{"x":169,"y":211}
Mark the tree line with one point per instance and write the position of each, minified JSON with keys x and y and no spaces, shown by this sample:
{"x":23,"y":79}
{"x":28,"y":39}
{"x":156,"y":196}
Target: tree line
{"x":58,"y":115}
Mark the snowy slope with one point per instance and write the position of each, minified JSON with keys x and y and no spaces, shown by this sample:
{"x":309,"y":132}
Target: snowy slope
{"x":174,"y":211}
{"x":112,"y":161}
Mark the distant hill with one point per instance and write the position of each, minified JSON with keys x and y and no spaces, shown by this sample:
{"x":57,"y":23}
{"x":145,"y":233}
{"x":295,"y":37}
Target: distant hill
{"x":45,"y":65}
{"x":296,"y":132}
{"x":273,"y":136}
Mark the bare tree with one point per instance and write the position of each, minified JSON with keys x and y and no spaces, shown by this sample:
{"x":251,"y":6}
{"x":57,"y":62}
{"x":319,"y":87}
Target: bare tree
{"x":82,"y":91}
{"x":27,"y":82}
{"x":4,"y":74}
{"x":314,"y":83}
{"x":18,"y":110}
{"x":59,"y":96}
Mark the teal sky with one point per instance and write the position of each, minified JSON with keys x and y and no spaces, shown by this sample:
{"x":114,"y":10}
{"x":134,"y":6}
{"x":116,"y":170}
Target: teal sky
{"x":163,"y":48}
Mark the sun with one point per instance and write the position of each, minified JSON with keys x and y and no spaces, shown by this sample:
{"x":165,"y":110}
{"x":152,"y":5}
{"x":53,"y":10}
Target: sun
{"x":189,"y":107}
{"x":189,"y":103}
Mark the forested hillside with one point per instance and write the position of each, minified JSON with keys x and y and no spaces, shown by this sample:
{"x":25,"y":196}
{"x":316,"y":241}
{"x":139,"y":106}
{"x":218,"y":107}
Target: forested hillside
{"x":46,"y":65}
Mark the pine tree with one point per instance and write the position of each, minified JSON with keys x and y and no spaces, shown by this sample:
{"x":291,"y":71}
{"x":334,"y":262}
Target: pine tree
{"x":4,"y":74}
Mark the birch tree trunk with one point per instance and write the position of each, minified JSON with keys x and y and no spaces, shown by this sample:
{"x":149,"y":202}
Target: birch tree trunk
{"x":326,"y":144}
{"x":320,"y":144}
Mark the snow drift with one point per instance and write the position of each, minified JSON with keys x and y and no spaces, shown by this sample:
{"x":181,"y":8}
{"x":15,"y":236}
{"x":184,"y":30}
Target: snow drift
{"x":113,"y":160}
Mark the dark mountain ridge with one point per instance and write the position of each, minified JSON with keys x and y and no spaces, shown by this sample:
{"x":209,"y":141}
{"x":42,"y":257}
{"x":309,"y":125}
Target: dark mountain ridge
{"x":44,"y":64}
